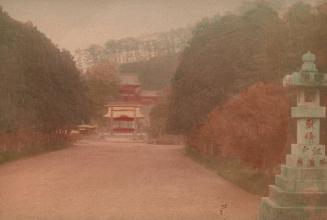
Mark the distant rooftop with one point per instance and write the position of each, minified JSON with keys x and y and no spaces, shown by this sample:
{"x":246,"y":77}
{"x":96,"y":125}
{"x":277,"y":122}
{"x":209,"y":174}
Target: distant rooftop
{"x":123,"y":104}
{"x":149,"y":93}
{"x":129,"y":80}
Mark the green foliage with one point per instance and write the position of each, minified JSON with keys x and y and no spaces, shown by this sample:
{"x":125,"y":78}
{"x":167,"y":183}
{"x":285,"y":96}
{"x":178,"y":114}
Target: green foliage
{"x":40,"y":86}
{"x":158,"y":119}
{"x":155,"y":73}
{"x":102,"y":87}
{"x":229,"y":53}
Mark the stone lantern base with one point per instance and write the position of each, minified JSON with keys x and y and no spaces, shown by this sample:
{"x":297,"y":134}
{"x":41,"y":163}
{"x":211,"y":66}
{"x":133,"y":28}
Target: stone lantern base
{"x":299,"y":194}
{"x":272,"y":211}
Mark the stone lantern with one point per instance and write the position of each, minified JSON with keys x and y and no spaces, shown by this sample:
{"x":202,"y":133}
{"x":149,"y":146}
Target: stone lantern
{"x":300,"y":191}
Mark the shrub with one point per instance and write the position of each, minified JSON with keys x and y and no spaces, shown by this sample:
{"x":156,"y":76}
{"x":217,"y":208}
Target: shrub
{"x":252,"y":126}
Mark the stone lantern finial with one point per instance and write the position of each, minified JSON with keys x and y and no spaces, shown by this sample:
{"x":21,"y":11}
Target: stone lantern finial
{"x":309,"y":57}
{"x":308,"y":76}
{"x":309,"y":60}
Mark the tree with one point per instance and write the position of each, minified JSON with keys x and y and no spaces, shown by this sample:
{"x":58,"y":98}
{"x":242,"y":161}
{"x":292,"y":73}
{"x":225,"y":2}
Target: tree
{"x":95,"y":54}
{"x":307,"y":32}
{"x":155,"y":73}
{"x":249,"y":126}
{"x":40,"y":87}
{"x":158,"y":119}
{"x":102,"y":87}
{"x":143,"y":48}
{"x":225,"y":98}
{"x":229,"y":53}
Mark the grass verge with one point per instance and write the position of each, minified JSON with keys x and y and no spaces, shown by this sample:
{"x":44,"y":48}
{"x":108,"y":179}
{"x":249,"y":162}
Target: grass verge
{"x":235,"y":171}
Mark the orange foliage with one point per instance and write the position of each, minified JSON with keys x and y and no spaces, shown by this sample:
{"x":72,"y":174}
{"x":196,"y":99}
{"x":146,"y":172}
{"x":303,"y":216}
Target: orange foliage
{"x":251,"y":126}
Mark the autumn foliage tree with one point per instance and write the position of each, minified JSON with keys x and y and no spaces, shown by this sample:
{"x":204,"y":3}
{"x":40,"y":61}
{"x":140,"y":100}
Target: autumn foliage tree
{"x":252,"y":126}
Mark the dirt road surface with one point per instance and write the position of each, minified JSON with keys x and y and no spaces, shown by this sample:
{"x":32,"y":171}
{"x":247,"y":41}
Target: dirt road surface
{"x":102,"y":180}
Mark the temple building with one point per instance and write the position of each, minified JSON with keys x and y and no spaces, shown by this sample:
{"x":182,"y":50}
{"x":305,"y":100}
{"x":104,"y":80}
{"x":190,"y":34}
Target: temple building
{"x":124,"y":117}
{"x":129,"y":114}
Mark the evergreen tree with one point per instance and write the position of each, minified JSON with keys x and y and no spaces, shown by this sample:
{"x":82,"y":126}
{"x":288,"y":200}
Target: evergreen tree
{"x":40,"y":87}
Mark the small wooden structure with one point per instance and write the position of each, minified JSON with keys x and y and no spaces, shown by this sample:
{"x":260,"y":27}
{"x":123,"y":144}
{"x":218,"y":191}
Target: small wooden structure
{"x":86,"y":129}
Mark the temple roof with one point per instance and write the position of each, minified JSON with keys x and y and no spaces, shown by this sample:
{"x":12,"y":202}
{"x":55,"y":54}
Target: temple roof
{"x":123,"y":104}
{"x":124,"y":111}
{"x":129,"y":80}
{"x":151,"y":93}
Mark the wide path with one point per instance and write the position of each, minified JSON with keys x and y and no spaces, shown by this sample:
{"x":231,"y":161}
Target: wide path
{"x":101,"y":180}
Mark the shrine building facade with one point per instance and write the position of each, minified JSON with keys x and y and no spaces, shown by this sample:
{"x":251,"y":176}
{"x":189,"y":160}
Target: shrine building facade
{"x":129,"y":113}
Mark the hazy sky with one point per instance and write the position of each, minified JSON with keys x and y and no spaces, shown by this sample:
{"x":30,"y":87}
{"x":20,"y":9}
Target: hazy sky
{"x":76,"y":24}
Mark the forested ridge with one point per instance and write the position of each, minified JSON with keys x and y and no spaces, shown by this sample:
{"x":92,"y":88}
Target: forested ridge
{"x":136,"y":49}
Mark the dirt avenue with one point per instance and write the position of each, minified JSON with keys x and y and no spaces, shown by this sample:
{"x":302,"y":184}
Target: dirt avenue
{"x":98,"y":180}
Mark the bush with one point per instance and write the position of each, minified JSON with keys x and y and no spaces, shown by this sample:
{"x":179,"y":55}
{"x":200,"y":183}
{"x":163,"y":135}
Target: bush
{"x":251,"y":127}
